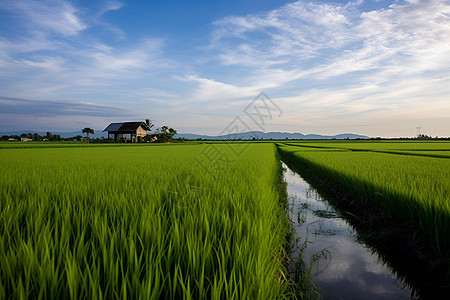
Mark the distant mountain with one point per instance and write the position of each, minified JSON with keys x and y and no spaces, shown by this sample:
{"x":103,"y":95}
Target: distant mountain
{"x":191,"y":136}
{"x":271,"y":135}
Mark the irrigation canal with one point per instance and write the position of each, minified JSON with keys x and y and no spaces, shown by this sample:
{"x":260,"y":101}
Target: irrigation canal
{"x":342,"y":266}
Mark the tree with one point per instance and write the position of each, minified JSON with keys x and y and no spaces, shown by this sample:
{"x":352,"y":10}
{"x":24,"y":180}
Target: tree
{"x":149,"y":123}
{"x":87,"y":130}
{"x":37,"y":137}
{"x":165,"y":134}
{"x":49,"y":136}
{"x":172,"y":132}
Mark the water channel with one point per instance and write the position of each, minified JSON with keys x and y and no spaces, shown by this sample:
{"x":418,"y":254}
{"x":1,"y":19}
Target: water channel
{"x":343,"y":267}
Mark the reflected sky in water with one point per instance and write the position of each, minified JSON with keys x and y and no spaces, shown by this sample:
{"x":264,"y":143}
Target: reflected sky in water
{"x":343,"y":268}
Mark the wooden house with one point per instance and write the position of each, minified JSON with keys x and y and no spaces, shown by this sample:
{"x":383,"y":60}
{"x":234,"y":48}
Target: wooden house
{"x":127,"y":131}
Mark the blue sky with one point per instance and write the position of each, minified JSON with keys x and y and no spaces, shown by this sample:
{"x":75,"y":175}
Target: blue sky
{"x":380,"y":68}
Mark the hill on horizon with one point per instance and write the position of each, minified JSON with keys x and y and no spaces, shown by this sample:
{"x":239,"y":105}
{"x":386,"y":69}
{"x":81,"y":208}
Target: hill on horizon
{"x":275,"y":135}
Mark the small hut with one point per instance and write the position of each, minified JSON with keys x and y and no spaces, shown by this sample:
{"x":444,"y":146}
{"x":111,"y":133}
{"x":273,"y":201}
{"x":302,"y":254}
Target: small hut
{"x":127,"y":131}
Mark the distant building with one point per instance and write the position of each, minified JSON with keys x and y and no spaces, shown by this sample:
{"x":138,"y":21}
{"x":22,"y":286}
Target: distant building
{"x":24,"y":139}
{"x":12,"y":139}
{"x":127,"y":131}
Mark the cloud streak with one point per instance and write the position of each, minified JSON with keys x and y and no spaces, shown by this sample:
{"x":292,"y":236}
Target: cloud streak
{"x":342,"y":64}
{"x":42,"y":108}
{"x":327,"y":65}
{"x":328,"y":40}
{"x":58,"y":17}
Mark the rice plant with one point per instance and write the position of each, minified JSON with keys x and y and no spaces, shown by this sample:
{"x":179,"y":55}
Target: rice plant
{"x":413,"y":188}
{"x":142,"y":222}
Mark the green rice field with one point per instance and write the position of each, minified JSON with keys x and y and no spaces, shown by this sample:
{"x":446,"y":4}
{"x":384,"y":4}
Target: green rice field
{"x":189,"y":220}
{"x":370,"y":145}
{"x":159,"y":221}
{"x":417,"y":148}
{"x":401,"y":177}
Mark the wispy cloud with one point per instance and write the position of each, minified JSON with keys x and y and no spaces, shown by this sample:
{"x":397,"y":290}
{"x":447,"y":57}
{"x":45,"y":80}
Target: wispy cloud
{"x":328,"y":65}
{"x":68,"y":65}
{"x":326,"y":40}
{"x":141,"y":56}
{"x":47,"y":15}
{"x":208,"y":89}
{"x":393,"y":108}
{"x":49,"y":50}
{"x":335,"y":64}
{"x":110,"y":6}
{"x":38,"y":108}
{"x":296,"y":32}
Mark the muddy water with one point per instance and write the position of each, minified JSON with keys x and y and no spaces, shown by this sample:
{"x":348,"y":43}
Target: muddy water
{"x":342,"y":266}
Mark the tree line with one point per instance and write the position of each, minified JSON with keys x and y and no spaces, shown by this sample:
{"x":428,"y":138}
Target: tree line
{"x":37,"y":137}
{"x":162,"y":134}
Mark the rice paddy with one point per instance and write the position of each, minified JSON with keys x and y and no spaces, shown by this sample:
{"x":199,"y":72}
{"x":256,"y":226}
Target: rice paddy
{"x":142,"y":222}
{"x":412,"y":187}
{"x":189,"y":220}
{"x":397,"y":194}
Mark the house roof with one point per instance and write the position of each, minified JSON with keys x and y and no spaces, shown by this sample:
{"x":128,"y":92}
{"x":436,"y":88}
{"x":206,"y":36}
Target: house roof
{"x":113,"y":127}
{"x":126,"y":127}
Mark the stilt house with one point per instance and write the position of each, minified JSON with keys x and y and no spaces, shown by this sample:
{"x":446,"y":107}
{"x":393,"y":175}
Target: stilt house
{"x":127,"y":131}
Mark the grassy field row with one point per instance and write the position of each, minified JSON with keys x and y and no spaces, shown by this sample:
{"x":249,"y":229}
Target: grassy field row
{"x":411,"y":187}
{"x":427,"y":149}
{"x":376,"y":145}
{"x":26,"y":145}
{"x":184,"y":221}
{"x":428,"y":153}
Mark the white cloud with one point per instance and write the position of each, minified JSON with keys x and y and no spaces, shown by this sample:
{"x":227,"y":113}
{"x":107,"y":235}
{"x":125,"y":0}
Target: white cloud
{"x":52,"y":16}
{"x":394,"y":108}
{"x":110,"y":6}
{"x":44,"y":63}
{"x":212,"y":90}
{"x":329,"y":66}
{"x":293,"y":33}
{"x":96,"y":64}
{"x":54,"y":57}
{"x":339,"y":65}
{"x":330,"y":40}
{"x":131,"y":61}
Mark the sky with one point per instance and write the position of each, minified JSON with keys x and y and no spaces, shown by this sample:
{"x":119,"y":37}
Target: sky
{"x":378,"y":68}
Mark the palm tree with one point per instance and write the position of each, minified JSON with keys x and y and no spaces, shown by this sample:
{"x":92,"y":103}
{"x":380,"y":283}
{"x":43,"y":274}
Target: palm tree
{"x":87,"y":130}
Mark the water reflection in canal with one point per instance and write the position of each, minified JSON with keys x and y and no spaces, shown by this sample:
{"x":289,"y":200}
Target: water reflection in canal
{"x":343,"y":268}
